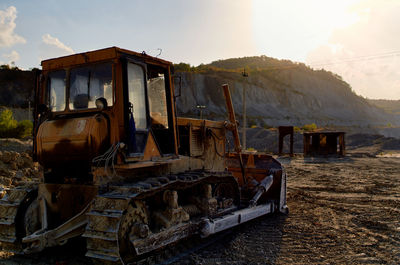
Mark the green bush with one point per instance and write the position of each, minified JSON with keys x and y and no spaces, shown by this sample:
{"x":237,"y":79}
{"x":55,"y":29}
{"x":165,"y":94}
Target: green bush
{"x":10,"y":128}
{"x":7,"y":123}
{"x":309,"y":127}
{"x":24,"y":129}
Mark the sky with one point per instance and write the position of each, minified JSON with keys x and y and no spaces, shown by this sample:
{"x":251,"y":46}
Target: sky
{"x":357,"y":39}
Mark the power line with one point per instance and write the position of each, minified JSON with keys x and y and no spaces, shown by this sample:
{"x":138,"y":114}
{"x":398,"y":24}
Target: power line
{"x":358,"y":58}
{"x":322,"y":63}
{"x":347,"y":60}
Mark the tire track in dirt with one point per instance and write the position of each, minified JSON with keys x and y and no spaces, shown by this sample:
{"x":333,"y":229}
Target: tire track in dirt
{"x":342,"y":211}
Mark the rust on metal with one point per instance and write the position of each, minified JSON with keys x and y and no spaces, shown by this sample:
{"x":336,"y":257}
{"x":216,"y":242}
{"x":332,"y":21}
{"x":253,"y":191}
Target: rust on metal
{"x":233,"y":126}
{"x":232,"y":118}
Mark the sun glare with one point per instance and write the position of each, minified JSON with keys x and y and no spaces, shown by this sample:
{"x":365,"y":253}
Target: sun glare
{"x":341,"y":14}
{"x":301,"y":25}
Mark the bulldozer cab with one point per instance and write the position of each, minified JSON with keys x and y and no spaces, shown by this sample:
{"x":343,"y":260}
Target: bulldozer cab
{"x":89,"y":102}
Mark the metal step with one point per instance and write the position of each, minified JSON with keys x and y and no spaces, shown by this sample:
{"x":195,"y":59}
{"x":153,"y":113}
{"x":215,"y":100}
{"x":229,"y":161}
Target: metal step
{"x":106,"y":213}
{"x":100,"y":255}
{"x":6,"y":239}
{"x":110,"y":236}
{"x":7,"y":222}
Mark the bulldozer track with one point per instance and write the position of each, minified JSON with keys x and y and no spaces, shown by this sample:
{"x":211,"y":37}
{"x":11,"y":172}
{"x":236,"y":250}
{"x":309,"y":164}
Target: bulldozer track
{"x":10,"y":206}
{"x":108,"y":209}
{"x":178,"y":252}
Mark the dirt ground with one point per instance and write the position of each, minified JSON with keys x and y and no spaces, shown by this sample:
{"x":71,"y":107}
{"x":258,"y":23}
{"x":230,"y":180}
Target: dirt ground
{"x":342,"y":211}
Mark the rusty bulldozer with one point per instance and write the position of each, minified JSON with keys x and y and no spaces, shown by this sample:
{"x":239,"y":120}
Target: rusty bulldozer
{"x":123,"y":171}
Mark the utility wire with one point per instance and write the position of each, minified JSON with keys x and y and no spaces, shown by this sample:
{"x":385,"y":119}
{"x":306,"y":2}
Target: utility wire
{"x":366,"y":56}
{"x":358,"y":59}
{"x":347,"y":60}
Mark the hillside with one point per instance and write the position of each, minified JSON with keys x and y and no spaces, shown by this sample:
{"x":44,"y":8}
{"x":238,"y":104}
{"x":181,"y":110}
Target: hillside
{"x":278,"y":92}
{"x":390,"y":106}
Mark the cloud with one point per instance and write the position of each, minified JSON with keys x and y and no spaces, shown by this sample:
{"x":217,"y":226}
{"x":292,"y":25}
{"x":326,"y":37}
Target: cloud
{"x":7,"y":26}
{"x":52,"y":41}
{"x":366,"y":53}
{"x":52,"y":47}
{"x":11,"y":57}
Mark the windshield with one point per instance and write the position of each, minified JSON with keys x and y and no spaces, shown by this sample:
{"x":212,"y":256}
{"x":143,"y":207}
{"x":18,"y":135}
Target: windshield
{"x":56,"y":86}
{"x":88,"y":84}
{"x":158,"y":101}
{"x":137,"y":95}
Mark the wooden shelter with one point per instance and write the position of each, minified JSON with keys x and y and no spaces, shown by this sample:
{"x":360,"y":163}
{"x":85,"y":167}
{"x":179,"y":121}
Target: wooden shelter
{"x":324,"y":143}
{"x":283,"y":131}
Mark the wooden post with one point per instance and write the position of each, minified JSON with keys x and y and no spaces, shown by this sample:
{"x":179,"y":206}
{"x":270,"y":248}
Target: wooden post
{"x":281,"y":136}
{"x":291,"y":143}
{"x":306,"y":144}
{"x":342,"y":147}
{"x":283,"y":131}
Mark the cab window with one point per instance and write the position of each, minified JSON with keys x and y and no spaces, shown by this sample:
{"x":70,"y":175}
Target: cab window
{"x":137,"y":95}
{"x":88,"y":84}
{"x":158,"y":101}
{"x":56,"y":88}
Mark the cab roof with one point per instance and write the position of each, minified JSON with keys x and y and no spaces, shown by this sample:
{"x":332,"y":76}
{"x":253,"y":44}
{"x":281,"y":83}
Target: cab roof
{"x":98,"y":55}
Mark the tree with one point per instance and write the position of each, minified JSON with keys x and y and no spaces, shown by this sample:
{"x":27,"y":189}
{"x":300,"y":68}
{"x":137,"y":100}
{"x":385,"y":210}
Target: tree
{"x":182,"y":67}
{"x":7,"y":121}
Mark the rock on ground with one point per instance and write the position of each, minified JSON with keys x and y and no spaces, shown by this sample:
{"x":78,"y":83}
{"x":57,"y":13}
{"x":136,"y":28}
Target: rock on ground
{"x":17,"y":169}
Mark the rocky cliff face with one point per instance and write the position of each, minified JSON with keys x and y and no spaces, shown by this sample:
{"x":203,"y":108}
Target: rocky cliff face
{"x":291,"y":97}
{"x":390,"y":106}
{"x":16,"y":88}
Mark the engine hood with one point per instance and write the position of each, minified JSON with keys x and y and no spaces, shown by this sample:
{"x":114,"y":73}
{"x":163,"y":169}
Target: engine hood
{"x":66,"y":141}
